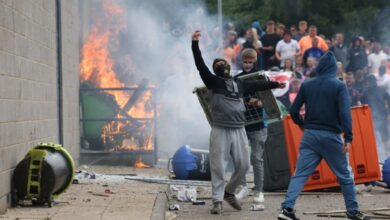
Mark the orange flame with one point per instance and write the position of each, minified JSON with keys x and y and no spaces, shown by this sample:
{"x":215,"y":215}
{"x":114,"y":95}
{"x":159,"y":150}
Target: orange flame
{"x":97,"y":67}
{"x":140,"y":164}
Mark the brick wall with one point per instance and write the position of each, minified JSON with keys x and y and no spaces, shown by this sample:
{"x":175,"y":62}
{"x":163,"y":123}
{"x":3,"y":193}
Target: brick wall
{"x":28,"y":81}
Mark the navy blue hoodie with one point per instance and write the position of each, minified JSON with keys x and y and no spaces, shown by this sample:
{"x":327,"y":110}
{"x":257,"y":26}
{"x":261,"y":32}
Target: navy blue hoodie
{"x":326,"y":101}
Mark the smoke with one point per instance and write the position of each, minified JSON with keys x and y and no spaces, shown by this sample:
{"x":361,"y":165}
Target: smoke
{"x":156,"y":44}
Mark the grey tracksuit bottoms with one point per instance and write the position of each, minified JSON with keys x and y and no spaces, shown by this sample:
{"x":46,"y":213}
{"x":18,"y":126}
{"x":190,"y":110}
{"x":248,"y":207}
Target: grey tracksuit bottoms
{"x":257,"y":141}
{"x":226,"y":143}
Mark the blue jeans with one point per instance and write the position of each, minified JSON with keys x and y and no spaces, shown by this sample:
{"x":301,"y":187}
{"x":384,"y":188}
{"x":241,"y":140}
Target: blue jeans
{"x":315,"y":145}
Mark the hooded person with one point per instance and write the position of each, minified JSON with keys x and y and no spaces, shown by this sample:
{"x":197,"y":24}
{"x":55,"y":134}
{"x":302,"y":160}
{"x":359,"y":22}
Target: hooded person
{"x":256,"y":133}
{"x":327,"y":116}
{"x":228,"y":137}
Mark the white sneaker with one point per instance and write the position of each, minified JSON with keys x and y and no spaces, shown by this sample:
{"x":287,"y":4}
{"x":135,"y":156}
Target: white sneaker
{"x":258,"y":197}
{"x":242,"y":192}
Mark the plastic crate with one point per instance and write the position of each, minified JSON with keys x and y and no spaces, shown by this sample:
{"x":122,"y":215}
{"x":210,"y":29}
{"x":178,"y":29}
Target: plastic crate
{"x":363,"y":155}
{"x":267,"y":98}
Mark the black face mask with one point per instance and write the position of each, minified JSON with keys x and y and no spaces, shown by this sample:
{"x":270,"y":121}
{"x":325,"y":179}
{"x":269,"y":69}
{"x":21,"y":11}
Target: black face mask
{"x":222,"y":70}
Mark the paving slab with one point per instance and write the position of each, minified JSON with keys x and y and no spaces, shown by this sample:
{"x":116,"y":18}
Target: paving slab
{"x":88,"y":199}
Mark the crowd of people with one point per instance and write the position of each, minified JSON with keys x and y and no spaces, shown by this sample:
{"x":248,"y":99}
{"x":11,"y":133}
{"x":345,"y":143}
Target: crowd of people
{"x":353,"y":74}
{"x":363,"y":64}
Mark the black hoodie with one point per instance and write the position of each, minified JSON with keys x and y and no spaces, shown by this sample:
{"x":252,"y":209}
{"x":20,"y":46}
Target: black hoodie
{"x":356,"y":56}
{"x":228,"y":109}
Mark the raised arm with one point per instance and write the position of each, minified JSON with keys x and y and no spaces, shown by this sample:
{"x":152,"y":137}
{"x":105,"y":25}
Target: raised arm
{"x":207,"y":77}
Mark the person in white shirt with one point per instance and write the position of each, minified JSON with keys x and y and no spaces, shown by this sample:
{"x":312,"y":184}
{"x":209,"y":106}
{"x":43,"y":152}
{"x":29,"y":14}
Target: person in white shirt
{"x":376,"y":58}
{"x":287,"y":48}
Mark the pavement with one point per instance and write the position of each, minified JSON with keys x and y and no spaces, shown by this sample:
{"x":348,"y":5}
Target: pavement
{"x":89,"y":200}
{"x":312,"y":202}
{"x":130,"y":199}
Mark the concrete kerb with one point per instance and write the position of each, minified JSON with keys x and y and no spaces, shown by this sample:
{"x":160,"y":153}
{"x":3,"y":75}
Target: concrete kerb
{"x":160,"y":204}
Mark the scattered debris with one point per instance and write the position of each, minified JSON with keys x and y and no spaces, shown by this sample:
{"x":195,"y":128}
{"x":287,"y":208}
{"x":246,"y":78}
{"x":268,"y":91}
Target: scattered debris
{"x":343,"y":211}
{"x":109,"y":191}
{"x":257,"y":207}
{"x":368,"y":188}
{"x":187,"y":195}
{"x":99,"y":194}
{"x":170,"y":181}
{"x":173,"y":188}
{"x":170,"y":216}
{"x":61,"y":202}
{"x":382,"y":184}
{"x":381,"y":214}
{"x":344,"y":216}
{"x":47,"y":218}
{"x":331,"y":215}
{"x":86,"y":200}
{"x":199,"y":202}
{"x":303,"y":193}
{"x":75,"y":181}
{"x":174,"y":207}
{"x":121,"y":174}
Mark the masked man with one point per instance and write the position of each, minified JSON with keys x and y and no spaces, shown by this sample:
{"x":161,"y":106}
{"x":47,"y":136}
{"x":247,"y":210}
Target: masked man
{"x":228,"y":137}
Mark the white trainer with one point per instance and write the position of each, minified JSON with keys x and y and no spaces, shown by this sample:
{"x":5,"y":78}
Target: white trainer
{"x":242,"y":192}
{"x":258,"y":197}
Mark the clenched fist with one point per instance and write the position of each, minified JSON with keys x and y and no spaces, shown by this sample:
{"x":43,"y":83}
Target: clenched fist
{"x":196,"y":36}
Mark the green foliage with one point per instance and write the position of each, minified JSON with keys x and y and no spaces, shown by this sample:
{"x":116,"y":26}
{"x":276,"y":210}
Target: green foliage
{"x":370,"y":18}
{"x":242,"y":12}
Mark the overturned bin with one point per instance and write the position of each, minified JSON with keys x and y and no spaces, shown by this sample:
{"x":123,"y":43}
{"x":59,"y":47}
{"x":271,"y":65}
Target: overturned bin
{"x":46,"y":171}
{"x":190,"y":164}
{"x":118,"y":124}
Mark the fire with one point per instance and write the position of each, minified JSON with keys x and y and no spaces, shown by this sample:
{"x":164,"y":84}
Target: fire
{"x":140,"y":164}
{"x":140,"y":110}
{"x":97,"y":67}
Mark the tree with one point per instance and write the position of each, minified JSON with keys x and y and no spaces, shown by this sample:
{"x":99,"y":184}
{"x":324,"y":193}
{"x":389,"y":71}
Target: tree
{"x":353,"y":17}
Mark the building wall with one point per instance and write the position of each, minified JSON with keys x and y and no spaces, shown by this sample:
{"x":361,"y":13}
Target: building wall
{"x":29,"y":84}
